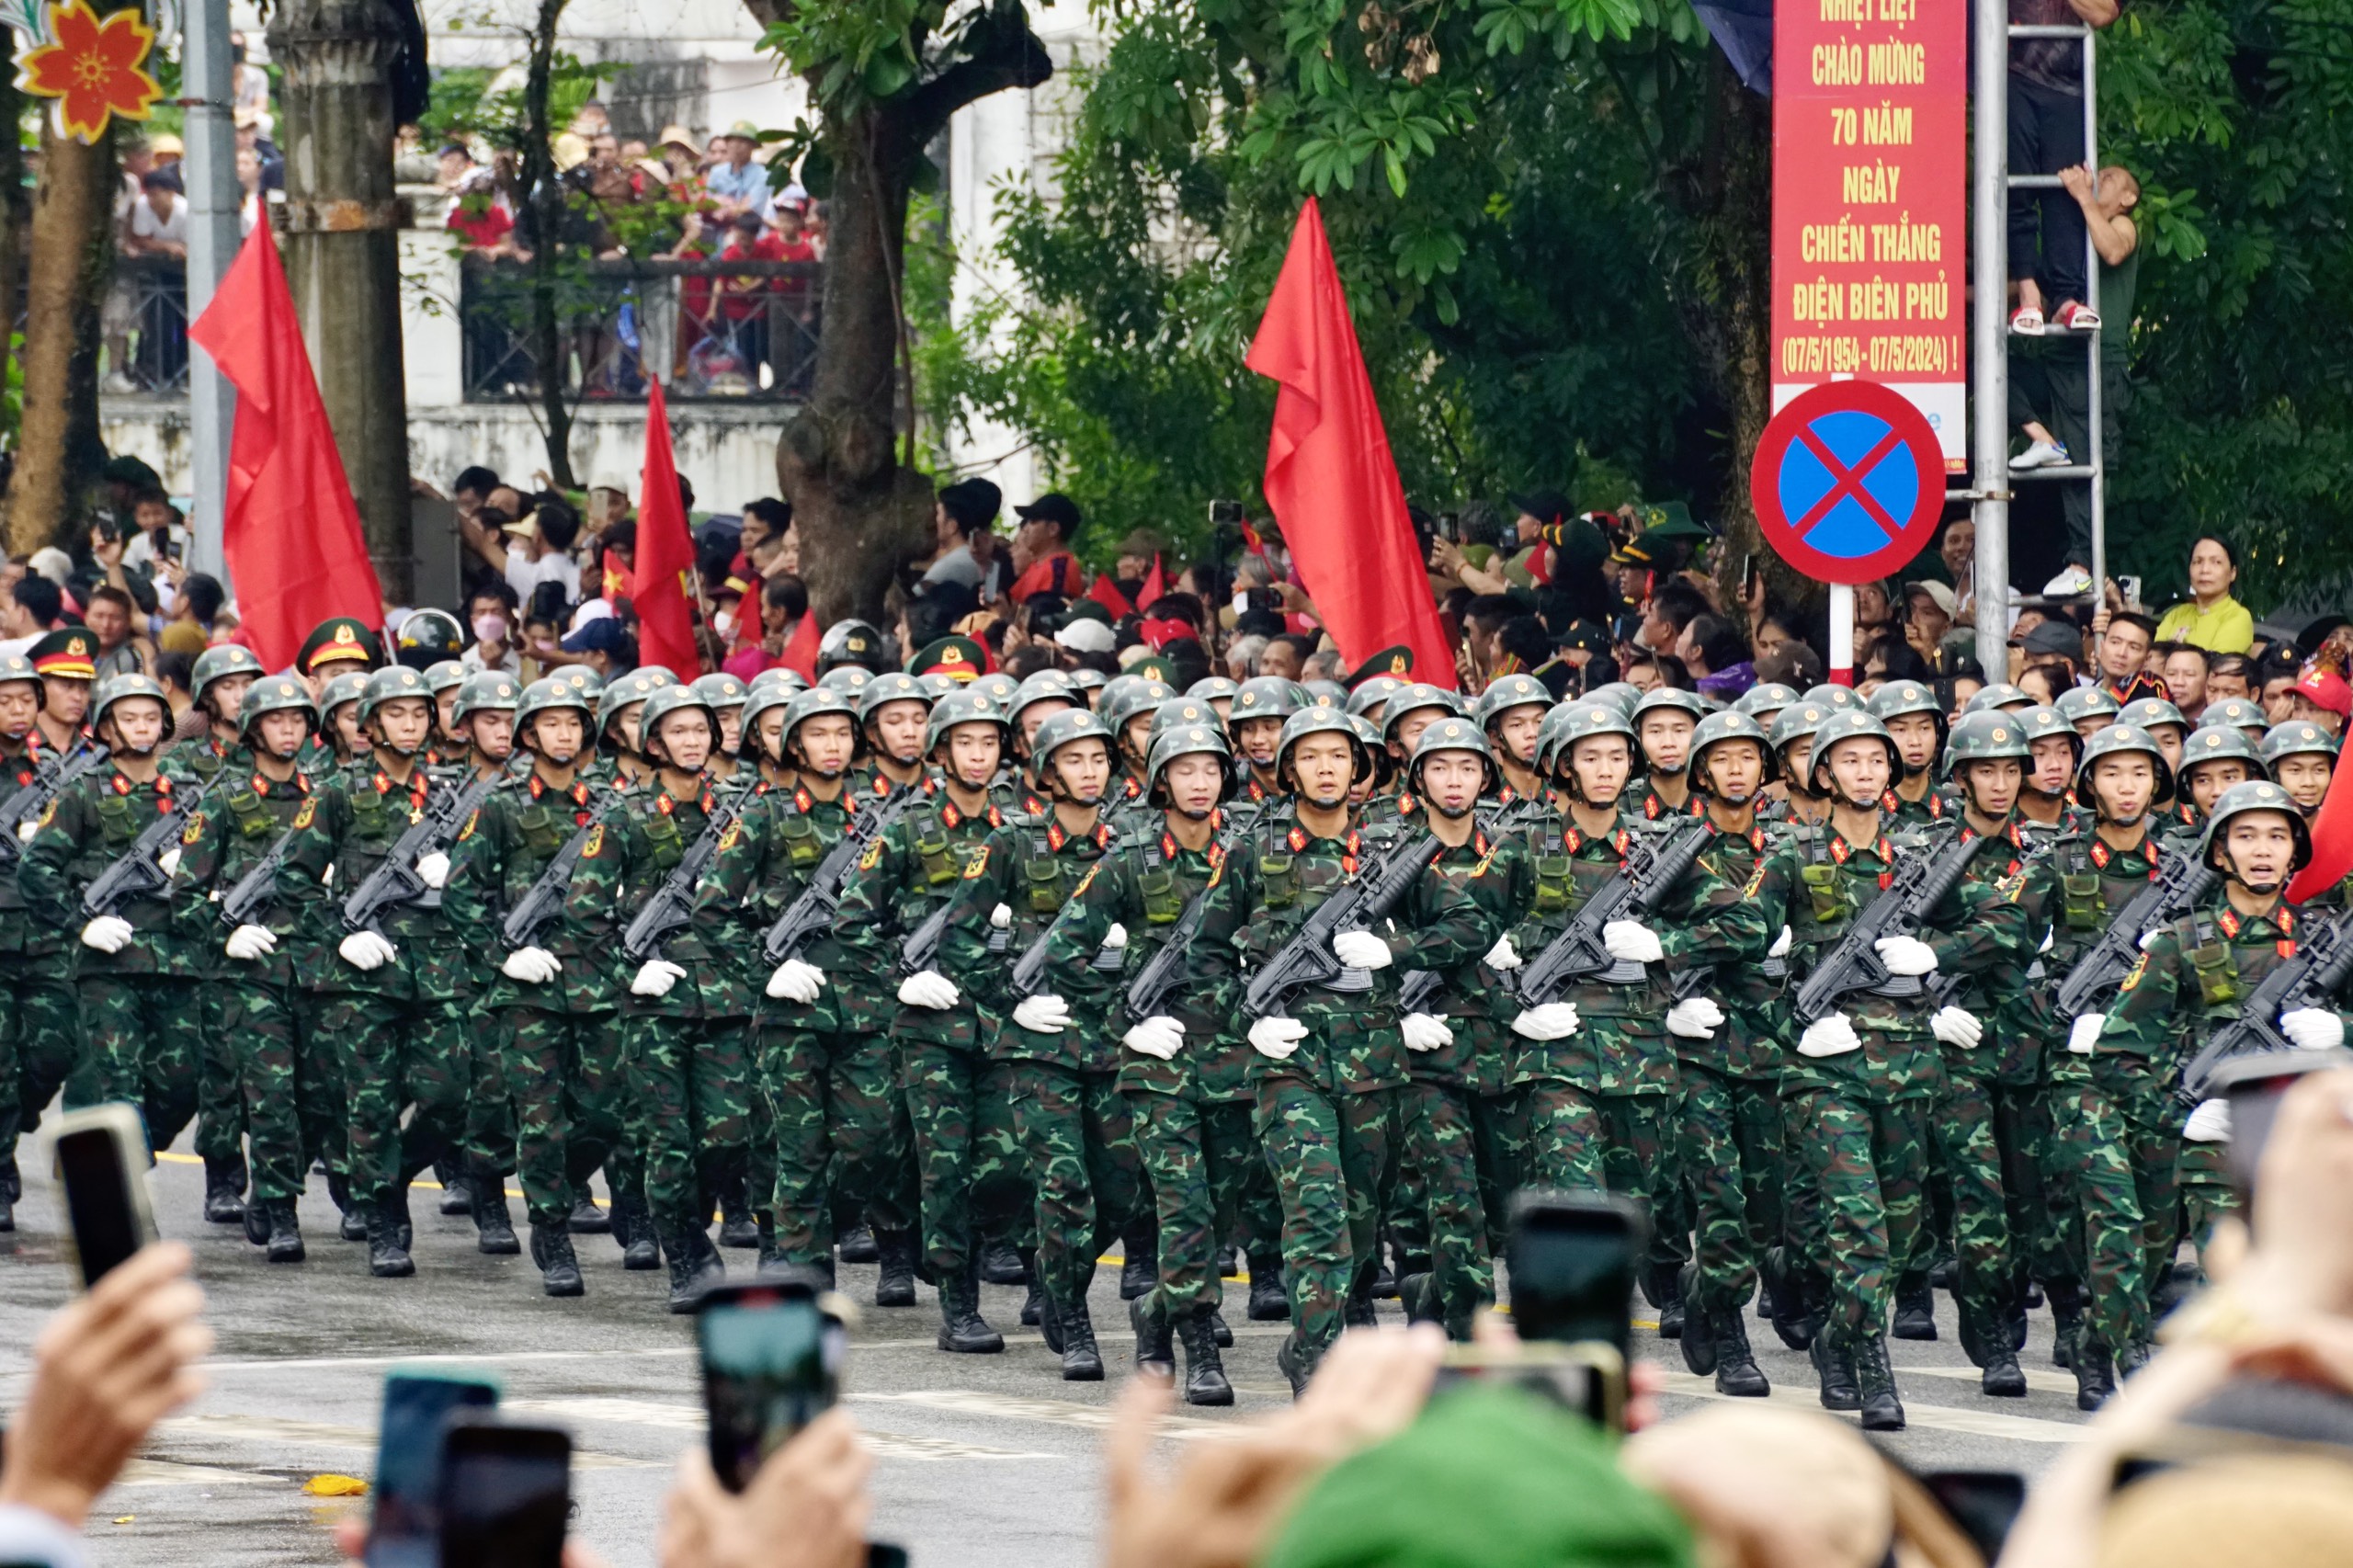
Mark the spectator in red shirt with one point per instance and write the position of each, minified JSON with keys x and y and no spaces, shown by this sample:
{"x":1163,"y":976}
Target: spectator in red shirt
{"x":1042,"y":544}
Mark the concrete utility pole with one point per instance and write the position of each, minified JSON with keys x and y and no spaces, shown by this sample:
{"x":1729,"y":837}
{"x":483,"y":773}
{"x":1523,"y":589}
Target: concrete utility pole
{"x":342,"y":247}
{"x":206,"y":78}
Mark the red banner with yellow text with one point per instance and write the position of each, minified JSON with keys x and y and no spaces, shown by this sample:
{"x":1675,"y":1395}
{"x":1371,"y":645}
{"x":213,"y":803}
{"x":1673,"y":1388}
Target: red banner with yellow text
{"x":1870,"y":237}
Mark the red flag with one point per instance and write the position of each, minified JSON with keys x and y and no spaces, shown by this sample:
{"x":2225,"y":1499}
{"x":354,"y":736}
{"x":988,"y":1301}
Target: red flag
{"x":1107,"y":593}
{"x":800,"y":653}
{"x":657,"y":582}
{"x":2332,"y":841}
{"x":1153,"y":585}
{"x":1330,"y":477}
{"x":289,"y":527}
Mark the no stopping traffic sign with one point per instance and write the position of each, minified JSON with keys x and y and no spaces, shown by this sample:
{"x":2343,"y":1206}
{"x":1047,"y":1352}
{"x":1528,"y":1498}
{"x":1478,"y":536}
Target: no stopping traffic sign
{"x":1848,"y":482}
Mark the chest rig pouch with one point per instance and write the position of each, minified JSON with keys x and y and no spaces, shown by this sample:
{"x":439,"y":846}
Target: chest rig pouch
{"x":252,"y":817}
{"x":541,"y":835}
{"x":2209,"y":960}
{"x":664,"y":842}
{"x":802,"y":847}
{"x":941,"y":866}
{"x":118,"y":823}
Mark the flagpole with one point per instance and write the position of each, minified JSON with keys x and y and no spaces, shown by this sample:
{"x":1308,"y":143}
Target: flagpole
{"x":208,"y":78}
{"x":1842,"y":634}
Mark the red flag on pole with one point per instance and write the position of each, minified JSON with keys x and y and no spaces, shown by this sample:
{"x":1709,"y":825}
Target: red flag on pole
{"x":800,"y":653}
{"x":289,"y":526}
{"x":1106,"y":593}
{"x":2332,"y":841}
{"x":1330,"y":477}
{"x":1155,"y":585}
{"x":657,"y":582}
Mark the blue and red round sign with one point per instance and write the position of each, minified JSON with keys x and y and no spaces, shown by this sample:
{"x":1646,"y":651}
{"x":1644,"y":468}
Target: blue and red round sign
{"x":1848,"y":482}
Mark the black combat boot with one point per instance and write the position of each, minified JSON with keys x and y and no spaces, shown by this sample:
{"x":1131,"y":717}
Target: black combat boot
{"x":1945,"y":1273}
{"x":403,"y":1228}
{"x":1140,"y":1272}
{"x":1875,"y":1380}
{"x":772,"y":1256}
{"x":387,"y":1257}
{"x":457,"y":1195}
{"x":1697,"y":1334}
{"x":2002,"y":1377}
{"x":559,"y":1269}
{"x":894,"y":1276}
{"x":256,"y":1221}
{"x":1219,"y":1332}
{"x":693,"y":1265}
{"x":1916,"y":1308}
{"x":739,"y":1224}
{"x":1155,"y":1334}
{"x":1033,"y":1305}
{"x":1204,"y":1368}
{"x":285,"y":1238}
{"x":2066,"y":1324}
{"x":1736,"y":1370}
{"x":860,"y":1245}
{"x":633,"y":1229}
{"x":224,"y":1182}
{"x":354,"y":1227}
{"x":1986,"y":1337}
{"x":1764,"y":1296}
{"x":1229,"y":1259}
{"x":7,"y":1213}
{"x":587,"y":1218}
{"x":1417,"y":1293}
{"x":1664,"y":1289}
{"x":2095,"y":1374}
{"x":962,"y":1330}
{"x":494,"y":1230}
{"x":1268,"y":1301}
{"x":2130,"y":1357}
{"x":1294,"y":1364}
{"x":1001,"y":1265}
{"x":1795,"y":1316}
{"x":1359,"y":1310}
{"x":1833,"y":1363}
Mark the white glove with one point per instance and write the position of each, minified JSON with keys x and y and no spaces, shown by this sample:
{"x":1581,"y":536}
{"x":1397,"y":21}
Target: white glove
{"x":1552,"y":1020}
{"x":2083,"y":1035}
{"x":2048,"y":937}
{"x":107,"y":933}
{"x":366,"y":950}
{"x":1001,"y":918}
{"x":168,"y":862}
{"x":249,"y":942}
{"x":2149,"y":938}
{"x":1906,"y":955}
{"x":1694,"y":1017}
{"x":1631,"y":941}
{"x":1361,"y":949}
{"x":1115,"y":938}
{"x":1503,"y":955}
{"x":655,"y":977}
{"x":1159,"y":1035}
{"x":1277,"y":1038}
{"x":1957,"y":1026}
{"x":929,"y":988}
{"x":1780,"y":947}
{"x":1046,"y":1013}
{"x":2210,"y":1123}
{"x":796,"y":982}
{"x":1832,"y":1035}
{"x":1425,"y":1031}
{"x":27,"y":828}
{"x":2313,"y":1028}
{"x":433,"y":870}
{"x":532,"y":966}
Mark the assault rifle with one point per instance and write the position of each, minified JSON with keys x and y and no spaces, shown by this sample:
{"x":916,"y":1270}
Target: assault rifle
{"x":394,"y":882}
{"x":1653,"y":864}
{"x":2107,"y":961}
{"x":139,"y":871}
{"x":922,"y":946}
{"x":544,"y":898}
{"x":26,"y":805}
{"x":2309,"y":980}
{"x":1853,"y":963}
{"x":673,"y":904}
{"x":814,"y":910}
{"x":258,"y":888}
{"x":1307,"y":958}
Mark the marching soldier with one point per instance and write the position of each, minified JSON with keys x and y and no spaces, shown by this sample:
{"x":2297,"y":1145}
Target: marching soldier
{"x":1859,"y":1094}
{"x":2300,"y":756}
{"x":40,"y":1030}
{"x":340,"y":741}
{"x":1663,"y":722}
{"x":1509,"y":711}
{"x":482,"y":720}
{"x":619,"y":758}
{"x":1127,"y":708}
{"x":2214,"y":758}
{"x":955,"y":1094}
{"x":2046,"y":794}
{"x":393,"y":987}
{"x":683,"y":1018}
{"x":1260,"y":707}
{"x":449,"y":747}
{"x":1914,"y":720}
{"x":893,"y":712}
{"x":1075,"y":1133}
{"x":217,"y":683}
{"x":1791,"y":736}
{"x":1326,"y":1077}
{"x":252,"y":1015}
{"x":731,"y":767}
{"x":549,"y":1001}
{"x":1764,"y":702}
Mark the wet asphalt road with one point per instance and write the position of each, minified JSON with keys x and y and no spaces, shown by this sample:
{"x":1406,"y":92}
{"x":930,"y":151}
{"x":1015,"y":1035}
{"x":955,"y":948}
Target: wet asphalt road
{"x":981,"y":1460}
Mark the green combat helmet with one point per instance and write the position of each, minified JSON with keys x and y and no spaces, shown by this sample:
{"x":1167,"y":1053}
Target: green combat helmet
{"x":1178,"y":713}
{"x":122,"y":689}
{"x":1267,"y":697}
{"x":1797,"y":722}
{"x":546,"y":697}
{"x":1987,"y":736}
{"x":1846,"y":725}
{"x":1669,"y":699}
{"x":1508,"y":692}
{"x":885,"y":689}
{"x":1766,"y":697}
{"x":2221,"y":742}
{"x":1416,"y":695}
{"x":1458,"y":733}
{"x":635,"y":686}
{"x":2254,"y":795}
{"x":218,"y":662}
{"x":1209,"y":688}
{"x":1187,"y":740}
{"x":1900,"y":699}
{"x":1321,"y":721}
{"x":1829,"y":695}
{"x":444,"y":675}
{"x":486,"y":691}
{"x":2152,"y":713}
{"x":391,"y":684}
{"x":1374,"y":693}
{"x":2283,"y":741}
{"x":669,"y":699}
{"x":1071,"y":725}
{"x":275,"y":694}
{"x":2121,"y":740}
{"x":2078,"y":703}
{"x":851,"y":678}
{"x":1623,"y":694}
{"x":1119,"y":704}
{"x":800,"y":707}
{"x":349,"y":687}
{"x":971,"y":706}
{"x":1579,"y":721}
{"x":2237,"y":711}
{"x":1730,"y":725}
{"x":2000,"y":697}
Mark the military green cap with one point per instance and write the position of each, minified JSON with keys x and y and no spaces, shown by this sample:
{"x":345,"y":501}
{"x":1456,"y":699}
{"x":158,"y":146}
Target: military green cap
{"x":15,"y":668}
{"x":1395,"y":662}
{"x":2235,"y":711}
{"x":851,"y":678}
{"x":666,"y":700}
{"x":545,"y":695}
{"x":1624,"y":693}
{"x":1454,"y":733}
{"x":1179,"y":713}
{"x":2042,"y":720}
{"x":1319,"y":722}
{"x":70,"y":652}
{"x":1669,"y":520}
{"x":800,"y":707}
{"x":1323,"y":694}
{"x":1829,"y":695}
{"x":778,"y":677}
{"x":1001,"y":687}
{"x":1798,"y":721}
{"x":339,"y":637}
{"x":1121,"y":702}
{"x":1153,"y":666}
{"x":634,"y":686}
{"x":1371,"y":693}
{"x":1669,"y":700}
{"x":961,"y":659}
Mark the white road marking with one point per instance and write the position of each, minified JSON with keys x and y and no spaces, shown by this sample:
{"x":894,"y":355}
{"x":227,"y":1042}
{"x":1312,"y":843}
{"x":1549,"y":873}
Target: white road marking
{"x":1055,"y":1412}
{"x":1938,"y":1417}
{"x":2036,"y":1377}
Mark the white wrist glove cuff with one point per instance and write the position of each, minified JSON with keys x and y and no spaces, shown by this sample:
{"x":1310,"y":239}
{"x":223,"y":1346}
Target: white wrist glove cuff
{"x":2083,"y":1035}
{"x":1631,"y":941}
{"x":1046,"y":1013}
{"x":1831,"y":1036}
{"x":1361,"y":949}
{"x":1425,"y":1031}
{"x":796,"y":982}
{"x":1906,"y":955}
{"x":1695,"y":1018}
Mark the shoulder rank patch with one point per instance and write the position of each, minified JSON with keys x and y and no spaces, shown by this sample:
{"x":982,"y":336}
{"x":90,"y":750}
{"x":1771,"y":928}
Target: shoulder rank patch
{"x":2139,"y":968}
{"x":310,"y":808}
{"x":467,"y":832}
{"x":2009,"y":887}
{"x":733,"y":836}
{"x":596,"y":845}
{"x":195,"y":829}
{"x":977,"y":865}
{"x":872,"y":858}
{"x":1086,"y":881}
{"x":1756,"y":880}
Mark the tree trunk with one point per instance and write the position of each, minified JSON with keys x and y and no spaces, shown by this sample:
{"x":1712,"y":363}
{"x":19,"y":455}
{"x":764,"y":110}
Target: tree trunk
{"x":69,"y":257}
{"x":342,"y":226}
{"x":544,"y":190}
{"x":13,"y":208}
{"x":859,"y":511}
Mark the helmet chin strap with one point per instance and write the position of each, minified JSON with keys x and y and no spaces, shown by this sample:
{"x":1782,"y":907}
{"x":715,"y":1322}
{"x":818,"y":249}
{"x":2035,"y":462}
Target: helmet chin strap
{"x":1192,"y":814}
{"x":1452,"y":814}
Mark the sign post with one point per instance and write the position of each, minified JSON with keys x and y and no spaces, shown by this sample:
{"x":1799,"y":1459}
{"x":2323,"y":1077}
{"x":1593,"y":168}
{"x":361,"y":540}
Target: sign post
{"x":1869,"y":138}
{"x":1848,"y":484}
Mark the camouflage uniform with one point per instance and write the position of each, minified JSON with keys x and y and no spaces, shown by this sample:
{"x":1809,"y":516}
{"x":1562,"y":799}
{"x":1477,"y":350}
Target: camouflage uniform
{"x":1075,"y":1136}
{"x":141,"y":1011}
{"x":41,"y":1028}
{"x":220,"y":1106}
{"x":1322,"y":1113}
